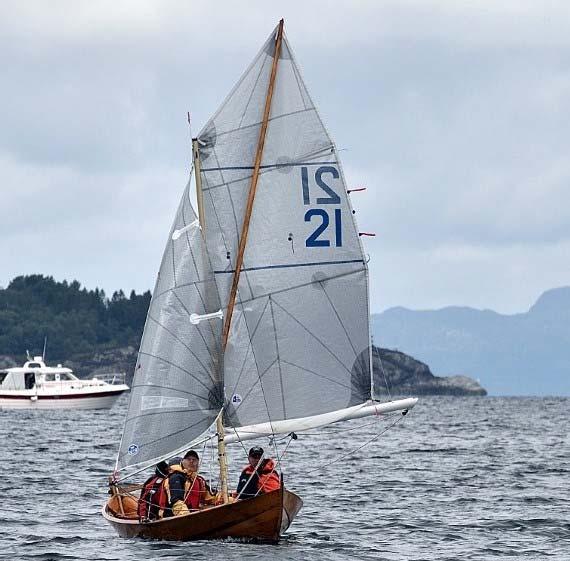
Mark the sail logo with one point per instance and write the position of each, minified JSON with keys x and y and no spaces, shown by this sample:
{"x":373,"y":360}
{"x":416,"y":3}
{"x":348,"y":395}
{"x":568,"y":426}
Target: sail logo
{"x":236,"y":399}
{"x":163,"y":402}
{"x":315,"y":240}
{"x":133,"y":450}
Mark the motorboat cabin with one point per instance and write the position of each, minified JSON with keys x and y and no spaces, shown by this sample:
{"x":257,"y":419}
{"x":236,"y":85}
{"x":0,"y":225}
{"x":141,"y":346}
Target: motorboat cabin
{"x":37,"y":386}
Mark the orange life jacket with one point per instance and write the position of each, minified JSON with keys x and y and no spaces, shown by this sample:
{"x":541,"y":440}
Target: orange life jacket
{"x":266,"y":476}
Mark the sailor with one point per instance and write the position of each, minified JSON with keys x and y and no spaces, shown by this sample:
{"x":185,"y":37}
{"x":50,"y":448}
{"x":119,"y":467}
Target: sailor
{"x":259,"y":476}
{"x":152,"y":502}
{"x":185,"y":489}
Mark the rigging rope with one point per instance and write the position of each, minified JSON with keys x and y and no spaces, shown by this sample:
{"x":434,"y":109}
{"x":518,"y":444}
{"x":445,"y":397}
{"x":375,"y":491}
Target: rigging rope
{"x":383,"y":371}
{"x":351,"y":452}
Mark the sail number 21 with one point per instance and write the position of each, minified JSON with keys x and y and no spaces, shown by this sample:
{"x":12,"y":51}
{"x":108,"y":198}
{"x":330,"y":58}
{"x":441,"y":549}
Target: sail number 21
{"x":322,"y":214}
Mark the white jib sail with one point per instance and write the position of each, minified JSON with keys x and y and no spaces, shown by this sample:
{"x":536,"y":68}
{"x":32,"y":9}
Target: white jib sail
{"x":177,"y":388}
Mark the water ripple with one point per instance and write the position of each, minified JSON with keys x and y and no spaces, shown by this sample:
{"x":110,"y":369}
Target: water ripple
{"x":461,"y":478}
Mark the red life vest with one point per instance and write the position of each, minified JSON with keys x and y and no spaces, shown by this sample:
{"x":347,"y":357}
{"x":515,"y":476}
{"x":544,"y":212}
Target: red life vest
{"x":196,"y":490}
{"x":153,"y":499}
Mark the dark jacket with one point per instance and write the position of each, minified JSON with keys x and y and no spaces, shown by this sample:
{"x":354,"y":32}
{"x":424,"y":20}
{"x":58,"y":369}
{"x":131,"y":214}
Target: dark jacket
{"x":264,"y":479}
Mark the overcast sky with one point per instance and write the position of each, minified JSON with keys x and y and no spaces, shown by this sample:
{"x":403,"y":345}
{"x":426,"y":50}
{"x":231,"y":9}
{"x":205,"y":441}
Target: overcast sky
{"x":454,"y":115}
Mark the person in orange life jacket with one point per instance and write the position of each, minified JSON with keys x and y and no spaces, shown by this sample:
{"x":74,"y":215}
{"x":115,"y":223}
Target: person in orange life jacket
{"x":152,"y":501}
{"x":185,"y":489}
{"x":259,"y":476}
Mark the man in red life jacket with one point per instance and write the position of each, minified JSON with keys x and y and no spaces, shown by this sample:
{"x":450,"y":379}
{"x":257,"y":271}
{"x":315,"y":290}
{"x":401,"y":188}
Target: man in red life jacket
{"x":259,"y":476}
{"x":185,"y":489}
{"x":152,"y":501}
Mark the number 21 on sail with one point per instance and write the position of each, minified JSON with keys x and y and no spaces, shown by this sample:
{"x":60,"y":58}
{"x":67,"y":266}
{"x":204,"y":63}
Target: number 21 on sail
{"x":321,"y":236}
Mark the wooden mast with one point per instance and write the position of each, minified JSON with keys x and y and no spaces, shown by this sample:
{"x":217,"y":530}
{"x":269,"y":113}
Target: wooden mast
{"x":242,"y":241}
{"x":252,"y":188}
{"x":222,"y":461}
{"x":197,"y":171}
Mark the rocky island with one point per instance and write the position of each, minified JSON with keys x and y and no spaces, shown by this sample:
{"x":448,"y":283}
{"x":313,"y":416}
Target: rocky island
{"x":93,"y":334}
{"x":405,"y":375}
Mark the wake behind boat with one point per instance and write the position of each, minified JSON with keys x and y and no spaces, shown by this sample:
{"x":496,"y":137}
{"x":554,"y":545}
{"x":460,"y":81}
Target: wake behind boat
{"x":259,"y":320}
{"x":37,"y":386}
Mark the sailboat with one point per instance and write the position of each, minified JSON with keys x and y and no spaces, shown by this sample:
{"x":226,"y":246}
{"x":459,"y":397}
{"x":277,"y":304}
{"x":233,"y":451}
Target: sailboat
{"x":259,"y":320}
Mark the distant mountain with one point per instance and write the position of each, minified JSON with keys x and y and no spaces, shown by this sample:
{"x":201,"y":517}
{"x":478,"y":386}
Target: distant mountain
{"x":521,"y":354}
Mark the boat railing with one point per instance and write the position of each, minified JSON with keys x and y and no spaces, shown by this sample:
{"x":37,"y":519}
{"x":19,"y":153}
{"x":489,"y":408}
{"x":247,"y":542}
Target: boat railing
{"x":113,"y":378}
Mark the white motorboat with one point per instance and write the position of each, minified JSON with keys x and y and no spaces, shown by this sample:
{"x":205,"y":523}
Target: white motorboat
{"x":37,"y":386}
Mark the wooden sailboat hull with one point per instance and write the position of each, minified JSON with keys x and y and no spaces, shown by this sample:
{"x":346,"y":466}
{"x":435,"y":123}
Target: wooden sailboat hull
{"x":263,"y":518}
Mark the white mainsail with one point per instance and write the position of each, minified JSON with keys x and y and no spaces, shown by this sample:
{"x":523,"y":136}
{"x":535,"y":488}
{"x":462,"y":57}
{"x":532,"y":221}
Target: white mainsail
{"x":177,"y":388}
{"x":299,"y":340}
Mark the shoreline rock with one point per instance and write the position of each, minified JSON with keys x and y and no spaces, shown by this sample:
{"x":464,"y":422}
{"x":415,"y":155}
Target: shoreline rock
{"x":406,"y":375}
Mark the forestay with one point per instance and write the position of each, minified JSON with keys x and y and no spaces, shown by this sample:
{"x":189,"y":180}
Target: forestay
{"x":177,"y":389}
{"x":299,"y":343}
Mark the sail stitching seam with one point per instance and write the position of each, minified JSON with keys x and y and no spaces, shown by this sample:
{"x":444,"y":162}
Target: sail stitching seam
{"x":259,"y":375}
{"x":167,"y":388}
{"x":338,"y":318}
{"x":292,"y":265}
{"x":263,"y":170}
{"x":297,"y":77}
{"x":313,"y":335}
{"x":258,"y":381}
{"x":176,"y":365}
{"x":296,"y":287}
{"x":271,"y":166}
{"x":251,"y":93}
{"x":250,"y":346}
{"x":197,"y":327}
{"x":317,"y":374}
{"x":204,"y":367}
{"x":258,"y":123}
{"x":278,"y":360}
{"x":194,"y":283}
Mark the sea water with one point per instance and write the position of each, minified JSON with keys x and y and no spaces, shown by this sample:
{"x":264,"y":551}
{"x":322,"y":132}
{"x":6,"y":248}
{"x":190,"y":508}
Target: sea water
{"x":457,"y":478}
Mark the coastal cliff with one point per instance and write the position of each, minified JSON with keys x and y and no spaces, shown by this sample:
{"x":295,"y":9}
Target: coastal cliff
{"x":404,"y":375}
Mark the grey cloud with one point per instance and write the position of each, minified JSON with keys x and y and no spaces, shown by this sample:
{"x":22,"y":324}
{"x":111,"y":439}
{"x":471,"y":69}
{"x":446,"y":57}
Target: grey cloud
{"x":454,"y":116}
